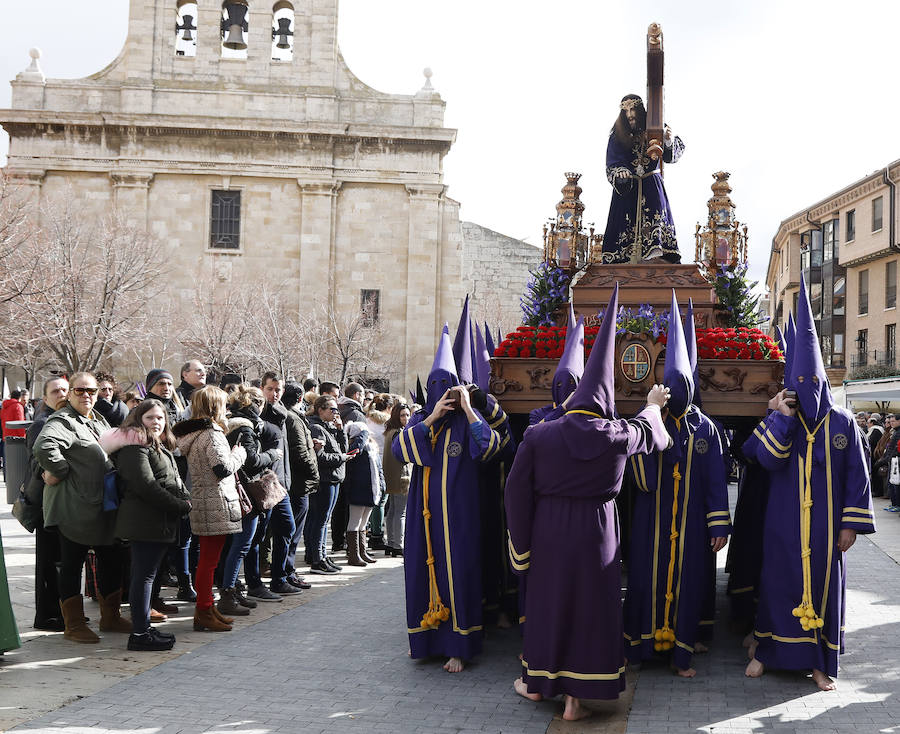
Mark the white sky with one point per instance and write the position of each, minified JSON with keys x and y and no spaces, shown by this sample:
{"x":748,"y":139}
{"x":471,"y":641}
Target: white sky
{"x":796,"y":98}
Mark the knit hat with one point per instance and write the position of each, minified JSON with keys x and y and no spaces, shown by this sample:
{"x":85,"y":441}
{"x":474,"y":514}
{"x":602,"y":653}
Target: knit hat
{"x":155,"y":375}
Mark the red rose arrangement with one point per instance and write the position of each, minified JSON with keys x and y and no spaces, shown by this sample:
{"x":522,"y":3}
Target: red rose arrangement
{"x":548,"y":342}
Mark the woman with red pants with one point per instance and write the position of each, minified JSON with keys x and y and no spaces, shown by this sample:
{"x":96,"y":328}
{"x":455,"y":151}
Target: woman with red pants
{"x":215,"y":506}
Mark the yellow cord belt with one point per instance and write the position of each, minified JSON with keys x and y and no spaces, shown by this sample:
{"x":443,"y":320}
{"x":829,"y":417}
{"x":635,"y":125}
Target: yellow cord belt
{"x":665,"y":636}
{"x":436,"y":612}
{"x":809,"y":620}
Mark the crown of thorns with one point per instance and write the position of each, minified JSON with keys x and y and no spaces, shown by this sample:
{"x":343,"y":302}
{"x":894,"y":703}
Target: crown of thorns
{"x":631,"y":103}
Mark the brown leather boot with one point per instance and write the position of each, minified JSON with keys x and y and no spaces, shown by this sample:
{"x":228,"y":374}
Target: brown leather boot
{"x":353,"y":558}
{"x":361,"y":545}
{"x":111,"y":619}
{"x":76,"y":625}
{"x":207,"y":619}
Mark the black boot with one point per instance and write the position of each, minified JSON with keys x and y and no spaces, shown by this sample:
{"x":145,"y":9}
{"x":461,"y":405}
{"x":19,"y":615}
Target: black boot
{"x":186,"y":588}
{"x":150,"y":641}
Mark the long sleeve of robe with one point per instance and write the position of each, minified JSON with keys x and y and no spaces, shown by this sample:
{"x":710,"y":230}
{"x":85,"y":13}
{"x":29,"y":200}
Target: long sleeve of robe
{"x":443,"y":523}
{"x":564,"y":536}
{"x":841,"y":498}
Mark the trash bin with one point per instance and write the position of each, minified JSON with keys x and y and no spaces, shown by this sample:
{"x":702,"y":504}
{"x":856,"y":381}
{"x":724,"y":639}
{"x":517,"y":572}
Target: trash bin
{"x":16,"y":462}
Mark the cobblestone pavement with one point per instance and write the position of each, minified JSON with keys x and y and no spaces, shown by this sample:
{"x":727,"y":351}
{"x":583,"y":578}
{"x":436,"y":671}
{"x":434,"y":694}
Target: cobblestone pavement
{"x":722,"y":700}
{"x":336,"y":662}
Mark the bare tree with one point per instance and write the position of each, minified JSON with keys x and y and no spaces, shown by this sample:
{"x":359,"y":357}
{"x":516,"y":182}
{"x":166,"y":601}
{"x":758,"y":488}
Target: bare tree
{"x":280,"y":339}
{"x":98,"y":276}
{"x":219,"y":329}
{"x":22,"y":271}
{"x":161,"y":340}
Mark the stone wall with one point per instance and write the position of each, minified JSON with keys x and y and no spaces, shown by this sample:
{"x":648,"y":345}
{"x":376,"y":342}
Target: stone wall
{"x":496,"y":270}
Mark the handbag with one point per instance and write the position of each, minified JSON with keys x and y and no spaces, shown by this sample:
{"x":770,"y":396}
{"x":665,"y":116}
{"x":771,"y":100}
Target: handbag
{"x":266,"y":491}
{"x":29,"y":516}
{"x":894,"y":478}
{"x":111,"y":496}
{"x":243,"y":497}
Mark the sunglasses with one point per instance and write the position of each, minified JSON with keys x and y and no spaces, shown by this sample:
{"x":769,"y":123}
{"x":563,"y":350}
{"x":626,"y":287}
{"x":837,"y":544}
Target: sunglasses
{"x":85,"y":390}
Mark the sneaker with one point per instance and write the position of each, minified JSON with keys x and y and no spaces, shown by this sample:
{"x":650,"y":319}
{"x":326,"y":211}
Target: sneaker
{"x":263,"y":594}
{"x":285,"y":588}
{"x":892,"y":508}
{"x":242,"y":599}
{"x":298,"y":581}
{"x":159,"y":633}
{"x":332,"y":565}
{"x":150,"y":641}
{"x":322,"y":568}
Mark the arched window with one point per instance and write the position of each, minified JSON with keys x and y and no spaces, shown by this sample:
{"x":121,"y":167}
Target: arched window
{"x":186,"y":28}
{"x":235,"y":29}
{"x":282,"y":31}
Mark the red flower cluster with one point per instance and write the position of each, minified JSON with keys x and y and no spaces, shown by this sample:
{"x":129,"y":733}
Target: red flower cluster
{"x":548,"y":342}
{"x":741,"y":343}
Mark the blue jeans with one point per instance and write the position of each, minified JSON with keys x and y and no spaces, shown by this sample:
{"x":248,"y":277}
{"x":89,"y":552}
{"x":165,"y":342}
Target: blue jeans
{"x":145,"y":560}
{"x":280,"y":519}
{"x":321,"y":505}
{"x":300,"y":506}
{"x":240,"y":544}
{"x":179,"y":551}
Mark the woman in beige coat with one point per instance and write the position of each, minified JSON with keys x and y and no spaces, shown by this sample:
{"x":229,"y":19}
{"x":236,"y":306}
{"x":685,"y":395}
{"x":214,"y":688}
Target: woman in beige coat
{"x":215,"y":506}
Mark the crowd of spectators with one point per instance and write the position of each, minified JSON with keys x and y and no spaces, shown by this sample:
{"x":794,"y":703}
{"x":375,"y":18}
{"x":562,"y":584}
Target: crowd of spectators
{"x":169,"y":485}
{"x":882,"y":443}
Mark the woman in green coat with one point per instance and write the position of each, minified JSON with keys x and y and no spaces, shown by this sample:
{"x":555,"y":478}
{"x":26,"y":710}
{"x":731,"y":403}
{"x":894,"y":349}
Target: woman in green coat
{"x":9,"y":632}
{"x":153,"y":500}
{"x":74,"y":465}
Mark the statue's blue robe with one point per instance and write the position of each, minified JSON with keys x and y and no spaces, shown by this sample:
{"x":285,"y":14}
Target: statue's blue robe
{"x":701,"y":514}
{"x":842,"y":499}
{"x":639,"y":210}
{"x":446,"y":458}
{"x":564,"y":538}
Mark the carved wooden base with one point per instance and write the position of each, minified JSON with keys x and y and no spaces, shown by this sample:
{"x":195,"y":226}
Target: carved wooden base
{"x":644,"y":283}
{"x":730,"y":388}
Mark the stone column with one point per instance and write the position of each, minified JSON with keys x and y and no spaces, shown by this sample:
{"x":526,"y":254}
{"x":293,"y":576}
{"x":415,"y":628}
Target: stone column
{"x":130,"y":196}
{"x":28,"y":181}
{"x":318,"y":214}
{"x":423,"y":278}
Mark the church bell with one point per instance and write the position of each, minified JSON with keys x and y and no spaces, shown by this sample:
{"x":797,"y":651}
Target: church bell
{"x":283,"y":31}
{"x":235,"y":25}
{"x":187,"y":26}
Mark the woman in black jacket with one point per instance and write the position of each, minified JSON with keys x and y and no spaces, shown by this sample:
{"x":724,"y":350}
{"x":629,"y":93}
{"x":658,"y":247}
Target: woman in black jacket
{"x":325,"y":425}
{"x":153,"y":500}
{"x":244,"y":429}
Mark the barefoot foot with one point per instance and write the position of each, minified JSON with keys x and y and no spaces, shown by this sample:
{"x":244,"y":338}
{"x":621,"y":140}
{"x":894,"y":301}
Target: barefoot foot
{"x":574,"y":711}
{"x":754,"y":669}
{"x":823,"y":681}
{"x":748,"y":640}
{"x":700,"y":647}
{"x":503,"y":622}
{"x":686,"y":672}
{"x":522,"y":689}
{"x":454,"y":665}
{"x":751,"y":649}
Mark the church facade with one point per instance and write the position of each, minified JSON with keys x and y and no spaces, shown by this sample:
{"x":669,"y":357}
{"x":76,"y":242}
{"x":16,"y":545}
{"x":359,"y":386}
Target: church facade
{"x":236,"y":133}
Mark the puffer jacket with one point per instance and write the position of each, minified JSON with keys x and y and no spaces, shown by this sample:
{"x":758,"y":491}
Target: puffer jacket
{"x":301,"y":454}
{"x":244,"y":429}
{"x":215,"y":507}
{"x":153,"y":495}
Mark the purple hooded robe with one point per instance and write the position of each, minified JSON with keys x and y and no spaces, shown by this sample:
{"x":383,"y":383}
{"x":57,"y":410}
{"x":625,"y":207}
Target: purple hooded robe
{"x":819,"y":485}
{"x":446,"y":527}
{"x":564,"y":533}
{"x":681,"y":505}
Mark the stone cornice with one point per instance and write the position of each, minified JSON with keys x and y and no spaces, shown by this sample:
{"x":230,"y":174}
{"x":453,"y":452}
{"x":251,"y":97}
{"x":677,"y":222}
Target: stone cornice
{"x":424,"y":190}
{"x":122,"y":179}
{"x":871,"y":257}
{"x":22,"y":122}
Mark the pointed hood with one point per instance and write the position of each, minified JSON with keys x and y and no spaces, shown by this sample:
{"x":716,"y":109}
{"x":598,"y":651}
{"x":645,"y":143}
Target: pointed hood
{"x":808,"y":375}
{"x":779,"y":339}
{"x":677,"y":375}
{"x":690,"y":340}
{"x":790,"y":336}
{"x":571,"y":363}
{"x":462,"y":347}
{"x":443,"y":372}
{"x":419,"y":397}
{"x":489,"y":339}
{"x":596,"y":391}
{"x":482,"y":361}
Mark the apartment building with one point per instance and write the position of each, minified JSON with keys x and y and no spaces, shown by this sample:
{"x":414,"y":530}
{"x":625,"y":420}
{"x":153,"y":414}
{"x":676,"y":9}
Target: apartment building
{"x":845,"y":247}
